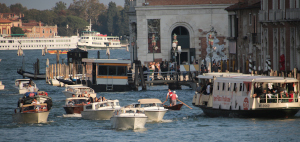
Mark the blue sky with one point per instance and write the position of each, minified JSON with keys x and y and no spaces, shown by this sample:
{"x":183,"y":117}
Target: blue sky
{"x":48,"y":4}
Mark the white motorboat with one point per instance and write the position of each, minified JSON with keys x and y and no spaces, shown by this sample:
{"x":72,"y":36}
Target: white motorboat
{"x":129,"y":118}
{"x":33,"y":109}
{"x":75,"y":105}
{"x":153,"y":108}
{"x":78,"y":90}
{"x":100,"y":110}
{"x":22,"y":85}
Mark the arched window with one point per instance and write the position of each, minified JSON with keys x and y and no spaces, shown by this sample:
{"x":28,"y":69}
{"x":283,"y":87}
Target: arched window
{"x":50,"y":31}
{"x":43,"y":31}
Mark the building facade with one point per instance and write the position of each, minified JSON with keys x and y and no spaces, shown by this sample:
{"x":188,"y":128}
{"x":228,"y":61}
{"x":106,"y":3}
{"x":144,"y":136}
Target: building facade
{"x":5,"y":26}
{"x":280,"y":33}
{"x":37,"y":29}
{"x":156,"y":24}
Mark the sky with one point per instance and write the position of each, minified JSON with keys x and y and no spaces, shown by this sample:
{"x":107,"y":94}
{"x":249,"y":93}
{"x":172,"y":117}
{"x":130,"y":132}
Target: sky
{"x":48,"y":4}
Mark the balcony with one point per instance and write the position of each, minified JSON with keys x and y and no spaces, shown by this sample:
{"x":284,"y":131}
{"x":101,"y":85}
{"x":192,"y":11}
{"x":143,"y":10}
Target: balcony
{"x":293,"y":14}
{"x":256,"y":38}
{"x":276,"y":14}
{"x":262,"y":15}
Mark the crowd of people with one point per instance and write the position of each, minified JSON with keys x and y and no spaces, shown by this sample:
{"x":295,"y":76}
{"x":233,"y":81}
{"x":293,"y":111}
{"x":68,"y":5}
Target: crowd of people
{"x":271,"y":95}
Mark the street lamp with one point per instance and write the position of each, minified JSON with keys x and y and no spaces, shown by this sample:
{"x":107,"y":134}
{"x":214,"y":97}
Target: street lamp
{"x":107,"y":49}
{"x":179,"y":52}
{"x":212,"y":33}
{"x":154,"y":47}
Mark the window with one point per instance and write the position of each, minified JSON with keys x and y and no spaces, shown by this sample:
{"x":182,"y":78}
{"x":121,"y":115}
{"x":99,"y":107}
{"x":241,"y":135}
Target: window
{"x":112,"y":70}
{"x":121,"y":70}
{"x":223,"y":86}
{"x":250,"y":18}
{"x":50,"y":30}
{"x":43,"y":31}
{"x":228,"y":86}
{"x":218,"y":85}
{"x":241,"y":87}
{"x":102,"y":70}
{"x":234,"y":87}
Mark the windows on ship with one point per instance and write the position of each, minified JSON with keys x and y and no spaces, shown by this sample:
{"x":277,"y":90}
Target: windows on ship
{"x":112,"y":70}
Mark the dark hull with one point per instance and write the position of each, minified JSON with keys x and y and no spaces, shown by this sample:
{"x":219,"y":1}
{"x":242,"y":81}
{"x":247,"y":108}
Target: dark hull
{"x":259,"y":113}
{"x":31,"y":75}
{"x":176,"y":107}
{"x":66,"y":81}
{"x":73,"y":109}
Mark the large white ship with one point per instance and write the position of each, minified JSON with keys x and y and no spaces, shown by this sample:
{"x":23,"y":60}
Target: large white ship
{"x":25,"y":43}
{"x":95,"y":40}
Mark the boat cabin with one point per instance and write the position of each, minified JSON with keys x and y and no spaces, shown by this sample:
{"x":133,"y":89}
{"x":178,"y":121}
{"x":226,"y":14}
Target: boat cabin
{"x":150,"y":103}
{"x":107,"y":74}
{"x":31,"y":108}
{"x":100,"y":105}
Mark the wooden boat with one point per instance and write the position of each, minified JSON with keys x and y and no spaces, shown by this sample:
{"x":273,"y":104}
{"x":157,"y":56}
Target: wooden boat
{"x":176,"y":107}
{"x":55,"y":51}
{"x":75,"y":105}
{"x":249,"y":96}
{"x":29,"y":111}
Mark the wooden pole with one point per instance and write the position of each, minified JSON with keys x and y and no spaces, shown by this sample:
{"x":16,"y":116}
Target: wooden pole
{"x":184,"y":104}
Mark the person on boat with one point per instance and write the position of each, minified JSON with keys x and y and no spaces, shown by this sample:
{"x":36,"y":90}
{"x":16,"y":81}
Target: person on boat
{"x":34,"y":101}
{"x":103,"y":99}
{"x":291,"y":96}
{"x":173,"y":97}
{"x":168,"y":96}
{"x":90,"y":100}
{"x":31,"y":88}
{"x":73,"y":95}
{"x":208,"y":89}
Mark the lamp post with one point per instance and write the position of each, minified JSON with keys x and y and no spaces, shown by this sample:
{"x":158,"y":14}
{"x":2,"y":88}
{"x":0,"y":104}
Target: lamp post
{"x":154,"y":47}
{"x":179,"y":52}
{"x":212,"y":33}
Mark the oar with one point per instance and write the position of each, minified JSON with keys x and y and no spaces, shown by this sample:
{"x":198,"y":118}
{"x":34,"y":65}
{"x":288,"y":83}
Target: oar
{"x":164,"y":101}
{"x":184,"y":104}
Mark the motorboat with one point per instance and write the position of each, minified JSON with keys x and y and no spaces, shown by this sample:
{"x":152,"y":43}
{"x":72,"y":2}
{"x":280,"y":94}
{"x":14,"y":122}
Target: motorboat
{"x":128,"y":118}
{"x":23,"y":84}
{"x":75,"y":105}
{"x":34,"y":107}
{"x":78,"y":90}
{"x":153,"y":108}
{"x":249,"y":96}
{"x":100,"y":110}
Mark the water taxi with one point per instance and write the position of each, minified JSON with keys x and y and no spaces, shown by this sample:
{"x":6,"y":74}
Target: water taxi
{"x":23,"y":84}
{"x":107,"y":74}
{"x":100,"y":110}
{"x":75,"y":105}
{"x":78,"y":90}
{"x":129,"y":118}
{"x":34,"y":107}
{"x":153,"y":108}
{"x":249,"y":96}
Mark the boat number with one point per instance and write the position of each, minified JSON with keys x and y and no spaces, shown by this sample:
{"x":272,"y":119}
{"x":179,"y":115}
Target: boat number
{"x":264,"y":105}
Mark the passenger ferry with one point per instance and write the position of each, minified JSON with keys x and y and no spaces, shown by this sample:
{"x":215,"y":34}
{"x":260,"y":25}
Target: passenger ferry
{"x":249,"y":96}
{"x":107,"y":74}
{"x":94,"y":40}
{"x":24,"y":43}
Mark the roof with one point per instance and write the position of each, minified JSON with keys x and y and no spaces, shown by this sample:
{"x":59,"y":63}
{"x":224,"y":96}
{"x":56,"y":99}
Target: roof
{"x":4,"y":20}
{"x":77,"y":50}
{"x":117,"y":61}
{"x":242,"y":6}
{"x":148,"y":101}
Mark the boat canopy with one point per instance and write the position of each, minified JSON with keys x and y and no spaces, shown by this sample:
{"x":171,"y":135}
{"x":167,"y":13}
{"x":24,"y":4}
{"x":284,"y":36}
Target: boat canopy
{"x":148,"y":101}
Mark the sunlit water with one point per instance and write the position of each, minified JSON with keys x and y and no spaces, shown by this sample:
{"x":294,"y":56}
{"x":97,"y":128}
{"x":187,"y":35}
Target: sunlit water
{"x":184,"y":125}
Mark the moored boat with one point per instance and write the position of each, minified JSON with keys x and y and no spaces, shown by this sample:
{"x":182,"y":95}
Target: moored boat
{"x":33,"y":109}
{"x":250,"y":96}
{"x":78,"y":90}
{"x":100,"y":110}
{"x":128,"y":118}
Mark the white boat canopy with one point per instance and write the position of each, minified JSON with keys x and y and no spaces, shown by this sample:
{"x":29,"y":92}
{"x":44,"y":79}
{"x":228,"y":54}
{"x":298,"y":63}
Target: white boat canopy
{"x":257,"y":79}
{"x":148,"y":101}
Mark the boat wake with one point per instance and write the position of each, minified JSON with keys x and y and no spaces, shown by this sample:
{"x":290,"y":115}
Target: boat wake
{"x":162,"y":121}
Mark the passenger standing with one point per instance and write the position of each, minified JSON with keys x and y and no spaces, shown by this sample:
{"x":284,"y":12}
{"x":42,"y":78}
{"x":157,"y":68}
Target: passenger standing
{"x":168,"y":96}
{"x":208,"y":89}
{"x":173,"y":98}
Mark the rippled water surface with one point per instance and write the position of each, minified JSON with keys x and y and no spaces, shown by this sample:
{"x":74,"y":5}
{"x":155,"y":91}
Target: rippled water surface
{"x":184,"y":125}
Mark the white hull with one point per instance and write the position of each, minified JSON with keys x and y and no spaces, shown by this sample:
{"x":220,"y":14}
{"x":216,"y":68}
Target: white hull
{"x":39,"y":117}
{"x":54,"y":82}
{"x":155,"y":115}
{"x":69,"y":94}
{"x":128,"y":122}
{"x":97,"y":114}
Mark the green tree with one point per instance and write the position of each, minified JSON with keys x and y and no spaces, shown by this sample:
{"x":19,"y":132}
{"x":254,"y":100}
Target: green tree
{"x":31,"y":14}
{"x":17,"y":8}
{"x":4,"y":8}
{"x":111,"y":14}
{"x":60,"y":7}
{"x":75,"y":24}
{"x":17,"y":30}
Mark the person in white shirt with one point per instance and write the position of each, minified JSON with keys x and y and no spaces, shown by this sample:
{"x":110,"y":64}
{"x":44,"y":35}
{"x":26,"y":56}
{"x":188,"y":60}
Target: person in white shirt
{"x":208,"y":89}
{"x":31,"y":88}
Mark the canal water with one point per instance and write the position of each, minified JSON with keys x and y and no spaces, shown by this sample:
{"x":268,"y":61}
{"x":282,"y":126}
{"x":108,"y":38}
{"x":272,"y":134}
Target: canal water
{"x":184,"y":125}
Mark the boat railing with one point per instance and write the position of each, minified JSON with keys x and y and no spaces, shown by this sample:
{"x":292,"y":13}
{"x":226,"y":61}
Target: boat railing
{"x":278,"y":98}
{"x":166,"y":75}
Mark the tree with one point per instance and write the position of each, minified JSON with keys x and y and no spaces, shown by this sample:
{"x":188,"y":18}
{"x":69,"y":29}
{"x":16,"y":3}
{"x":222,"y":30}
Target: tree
{"x":17,"y":8}
{"x":4,"y":8}
{"x":111,"y":13}
{"x":75,"y":23}
{"x":17,"y":30}
{"x":59,"y":6}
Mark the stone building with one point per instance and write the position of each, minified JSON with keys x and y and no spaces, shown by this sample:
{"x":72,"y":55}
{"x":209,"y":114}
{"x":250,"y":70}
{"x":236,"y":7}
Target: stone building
{"x":153,"y":24}
{"x":244,"y":31}
{"x":37,"y":29}
{"x":5,"y":26}
{"x":280,"y":36}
